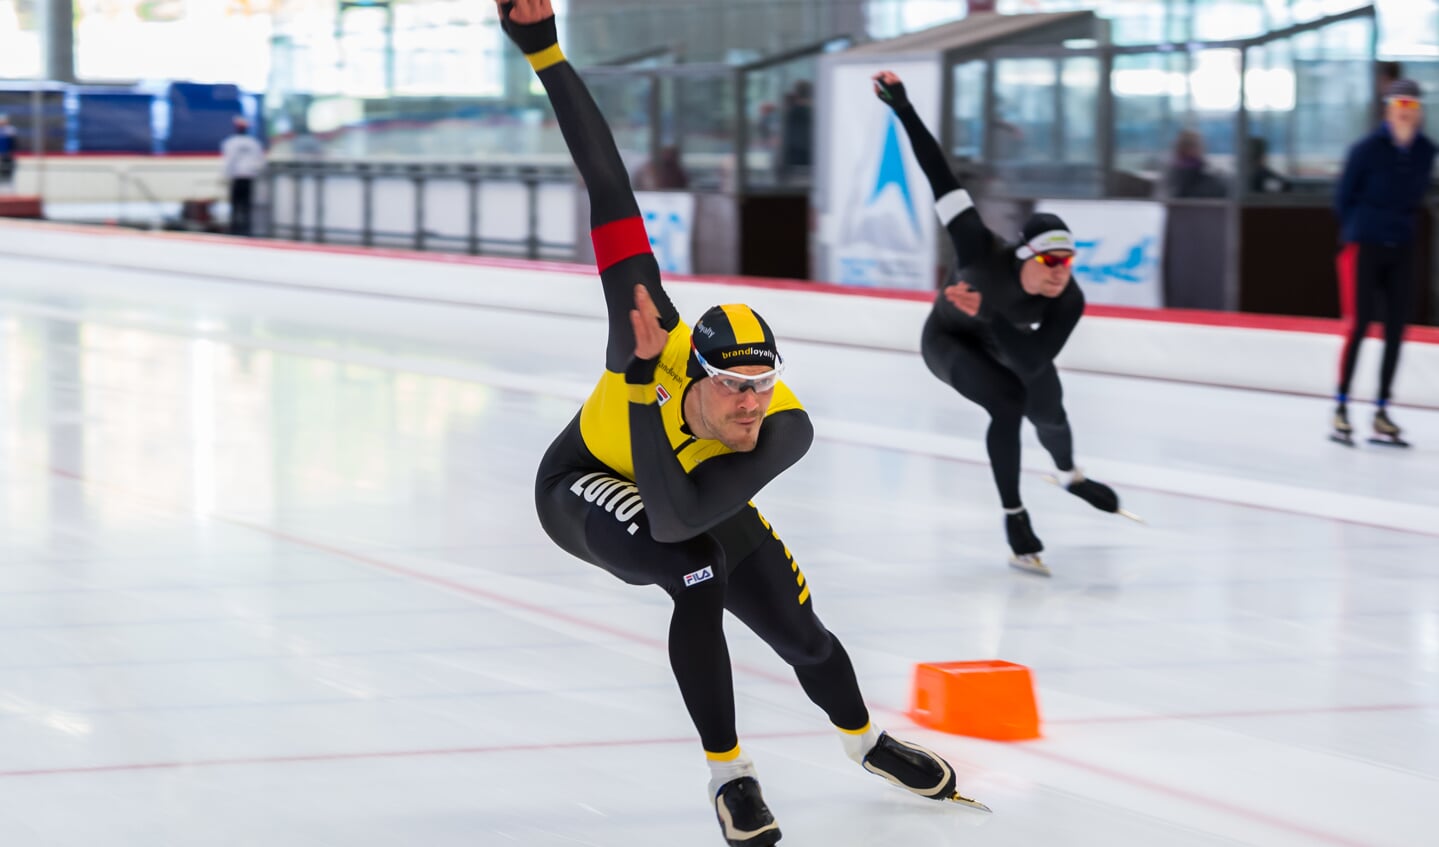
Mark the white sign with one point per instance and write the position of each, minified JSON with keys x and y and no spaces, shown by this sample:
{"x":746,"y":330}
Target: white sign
{"x":879,"y":229}
{"x":670,"y":222}
{"x":1119,"y":249}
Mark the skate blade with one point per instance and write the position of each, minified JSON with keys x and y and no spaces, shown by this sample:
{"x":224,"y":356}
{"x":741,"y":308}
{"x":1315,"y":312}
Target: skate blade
{"x":1388,"y":442}
{"x":1346,"y":440}
{"x":956,"y":797}
{"x":1029,"y":563}
{"x":1125,"y":513}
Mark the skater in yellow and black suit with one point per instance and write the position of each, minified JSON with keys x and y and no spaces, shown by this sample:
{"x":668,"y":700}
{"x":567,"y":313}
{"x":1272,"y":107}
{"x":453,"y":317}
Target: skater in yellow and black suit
{"x":652,"y":480}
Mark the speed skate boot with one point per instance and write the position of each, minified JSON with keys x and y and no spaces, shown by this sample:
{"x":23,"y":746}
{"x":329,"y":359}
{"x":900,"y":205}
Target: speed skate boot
{"x":916,"y":769}
{"x":1386,"y":432}
{"x":1023,"y":543}
{"x":1343,"y":433}
{"x":1096,"y":494}
{"x":743,"y":817}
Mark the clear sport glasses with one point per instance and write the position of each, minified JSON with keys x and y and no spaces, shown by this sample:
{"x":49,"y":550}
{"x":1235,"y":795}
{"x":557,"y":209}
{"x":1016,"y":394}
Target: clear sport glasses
{"x":734,"y":383}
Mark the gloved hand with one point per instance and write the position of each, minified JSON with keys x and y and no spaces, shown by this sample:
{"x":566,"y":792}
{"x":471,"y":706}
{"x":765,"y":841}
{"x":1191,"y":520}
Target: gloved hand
{"x":529,"y":23}
{"x":889,"y":89}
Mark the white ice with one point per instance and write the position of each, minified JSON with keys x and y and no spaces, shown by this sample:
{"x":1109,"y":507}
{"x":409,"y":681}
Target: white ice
{"x":270,"y":575}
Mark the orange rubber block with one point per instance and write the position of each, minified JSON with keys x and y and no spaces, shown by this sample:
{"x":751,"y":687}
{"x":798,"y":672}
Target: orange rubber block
{"x":989,"y":699}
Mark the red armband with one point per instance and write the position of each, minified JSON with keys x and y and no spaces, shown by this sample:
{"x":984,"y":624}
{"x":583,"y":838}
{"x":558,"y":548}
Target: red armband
{"x":619,"y":240}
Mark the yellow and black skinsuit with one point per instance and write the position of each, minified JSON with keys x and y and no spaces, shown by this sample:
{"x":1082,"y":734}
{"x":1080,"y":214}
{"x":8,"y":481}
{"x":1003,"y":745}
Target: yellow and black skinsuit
{"x":628,"y":488}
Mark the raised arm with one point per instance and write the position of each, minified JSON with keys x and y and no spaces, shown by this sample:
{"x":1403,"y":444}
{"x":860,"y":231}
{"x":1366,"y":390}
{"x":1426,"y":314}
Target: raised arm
{"x":622,"y":248}
{"x":972,"y":240}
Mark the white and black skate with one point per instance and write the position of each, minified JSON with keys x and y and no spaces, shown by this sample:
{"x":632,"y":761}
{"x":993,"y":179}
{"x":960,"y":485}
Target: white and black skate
{"x":743,"y":817}
{"x":1385,"y":431}
{"x":1024,"y":544}
{"x":916,"y":769}
{"x":1342,"y":433}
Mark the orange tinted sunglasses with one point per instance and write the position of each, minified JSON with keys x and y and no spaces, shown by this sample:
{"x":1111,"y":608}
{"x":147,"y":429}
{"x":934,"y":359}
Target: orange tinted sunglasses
{"x":1051,"y":260}
{"x":1405,"y":103}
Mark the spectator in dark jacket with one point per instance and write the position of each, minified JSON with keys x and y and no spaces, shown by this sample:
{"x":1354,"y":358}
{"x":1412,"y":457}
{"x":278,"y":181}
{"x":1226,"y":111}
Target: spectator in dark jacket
{"x":1189,"y":174}
{"x":1385,"y":178}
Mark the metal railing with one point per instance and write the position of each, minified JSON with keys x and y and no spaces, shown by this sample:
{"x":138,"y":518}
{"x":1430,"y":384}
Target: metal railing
{"x":442,"y":206}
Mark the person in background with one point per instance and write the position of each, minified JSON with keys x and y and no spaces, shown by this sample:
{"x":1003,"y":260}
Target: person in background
{"x":7,"y":155}
{"x":1385,"y":178}
{"x":1262,"y":178}
{"x":664,"y":172}
{"x":796,"y":142}
{"x":244,"y":160}
{"x":1189,"y":175}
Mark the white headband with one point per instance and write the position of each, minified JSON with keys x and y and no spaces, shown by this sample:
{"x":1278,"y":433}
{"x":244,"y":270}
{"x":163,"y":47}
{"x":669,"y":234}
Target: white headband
{"x":1055,"y":239}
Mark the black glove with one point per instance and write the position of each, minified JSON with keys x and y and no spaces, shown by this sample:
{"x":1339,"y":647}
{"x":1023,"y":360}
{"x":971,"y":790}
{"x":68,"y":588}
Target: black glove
{"x":892,"y":93}
{"x":530,"y":38}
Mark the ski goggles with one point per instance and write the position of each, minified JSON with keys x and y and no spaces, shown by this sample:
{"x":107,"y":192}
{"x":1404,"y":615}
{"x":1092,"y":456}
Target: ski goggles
{"x":1054,"y":260}
{"x":735,"y":383}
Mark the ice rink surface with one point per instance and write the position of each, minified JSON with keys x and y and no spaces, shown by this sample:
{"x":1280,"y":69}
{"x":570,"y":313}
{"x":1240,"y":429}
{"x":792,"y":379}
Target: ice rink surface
{"x":270,"y":574}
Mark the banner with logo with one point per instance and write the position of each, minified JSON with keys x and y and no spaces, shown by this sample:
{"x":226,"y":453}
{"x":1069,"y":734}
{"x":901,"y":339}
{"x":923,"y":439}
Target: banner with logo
{"x":1119,"y":249}
{"x":879,"y":228}
{"x":669,"y":220}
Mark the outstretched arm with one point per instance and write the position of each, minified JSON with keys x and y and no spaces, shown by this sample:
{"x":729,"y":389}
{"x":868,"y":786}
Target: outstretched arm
{"x":622,"y":248}
{"x":971,"y":238}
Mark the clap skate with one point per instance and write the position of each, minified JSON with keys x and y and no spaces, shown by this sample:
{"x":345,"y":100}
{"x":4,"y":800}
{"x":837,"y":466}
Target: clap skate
{"x":916,"y":769}
{"x":1343,"y":433}
{"x":1024,"y":544}
{"x":743,"y":816}
{"x":1385,"y":431}
{"x":1096,"y":494}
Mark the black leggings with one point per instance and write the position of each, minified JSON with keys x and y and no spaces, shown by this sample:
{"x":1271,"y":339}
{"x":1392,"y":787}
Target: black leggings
{"x":964,"y":363}
{"x":741,"y":566}
{"x":1374,"y":278}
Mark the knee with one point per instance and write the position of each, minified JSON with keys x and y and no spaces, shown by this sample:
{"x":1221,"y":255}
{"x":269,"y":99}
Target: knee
{"x":1006,"y":414}
{"x":813,"y":647}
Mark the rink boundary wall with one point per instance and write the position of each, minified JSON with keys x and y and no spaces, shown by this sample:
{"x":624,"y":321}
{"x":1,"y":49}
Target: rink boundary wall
{"x":1270,"y":353}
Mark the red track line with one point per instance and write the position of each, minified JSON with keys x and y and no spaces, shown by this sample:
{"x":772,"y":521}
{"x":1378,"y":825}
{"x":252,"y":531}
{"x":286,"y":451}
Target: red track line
{"x":383,"y":754}
{"x":500,"y":599}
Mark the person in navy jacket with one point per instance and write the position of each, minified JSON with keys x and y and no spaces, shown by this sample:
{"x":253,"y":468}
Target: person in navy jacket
{"x":1385,"y":178}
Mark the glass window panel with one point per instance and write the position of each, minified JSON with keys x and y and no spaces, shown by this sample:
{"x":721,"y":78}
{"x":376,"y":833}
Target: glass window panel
{"x":1080,"y":120}
{"x":775,"y":154}
{"x":1024,"y":109}
{"x":20,"y":38}
{"x":701,"y":125}
{"x":1408,"y":28}
{"x":967,"y":131}
{"x":200,"y":42}
{"x":1334,"y":96}
{"x":1269,"y":97}
{"x":1149,"y":103}
{"x":1221,"y":20}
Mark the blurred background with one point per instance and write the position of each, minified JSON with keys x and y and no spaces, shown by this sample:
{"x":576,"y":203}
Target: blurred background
{"x":1184,"y":139}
